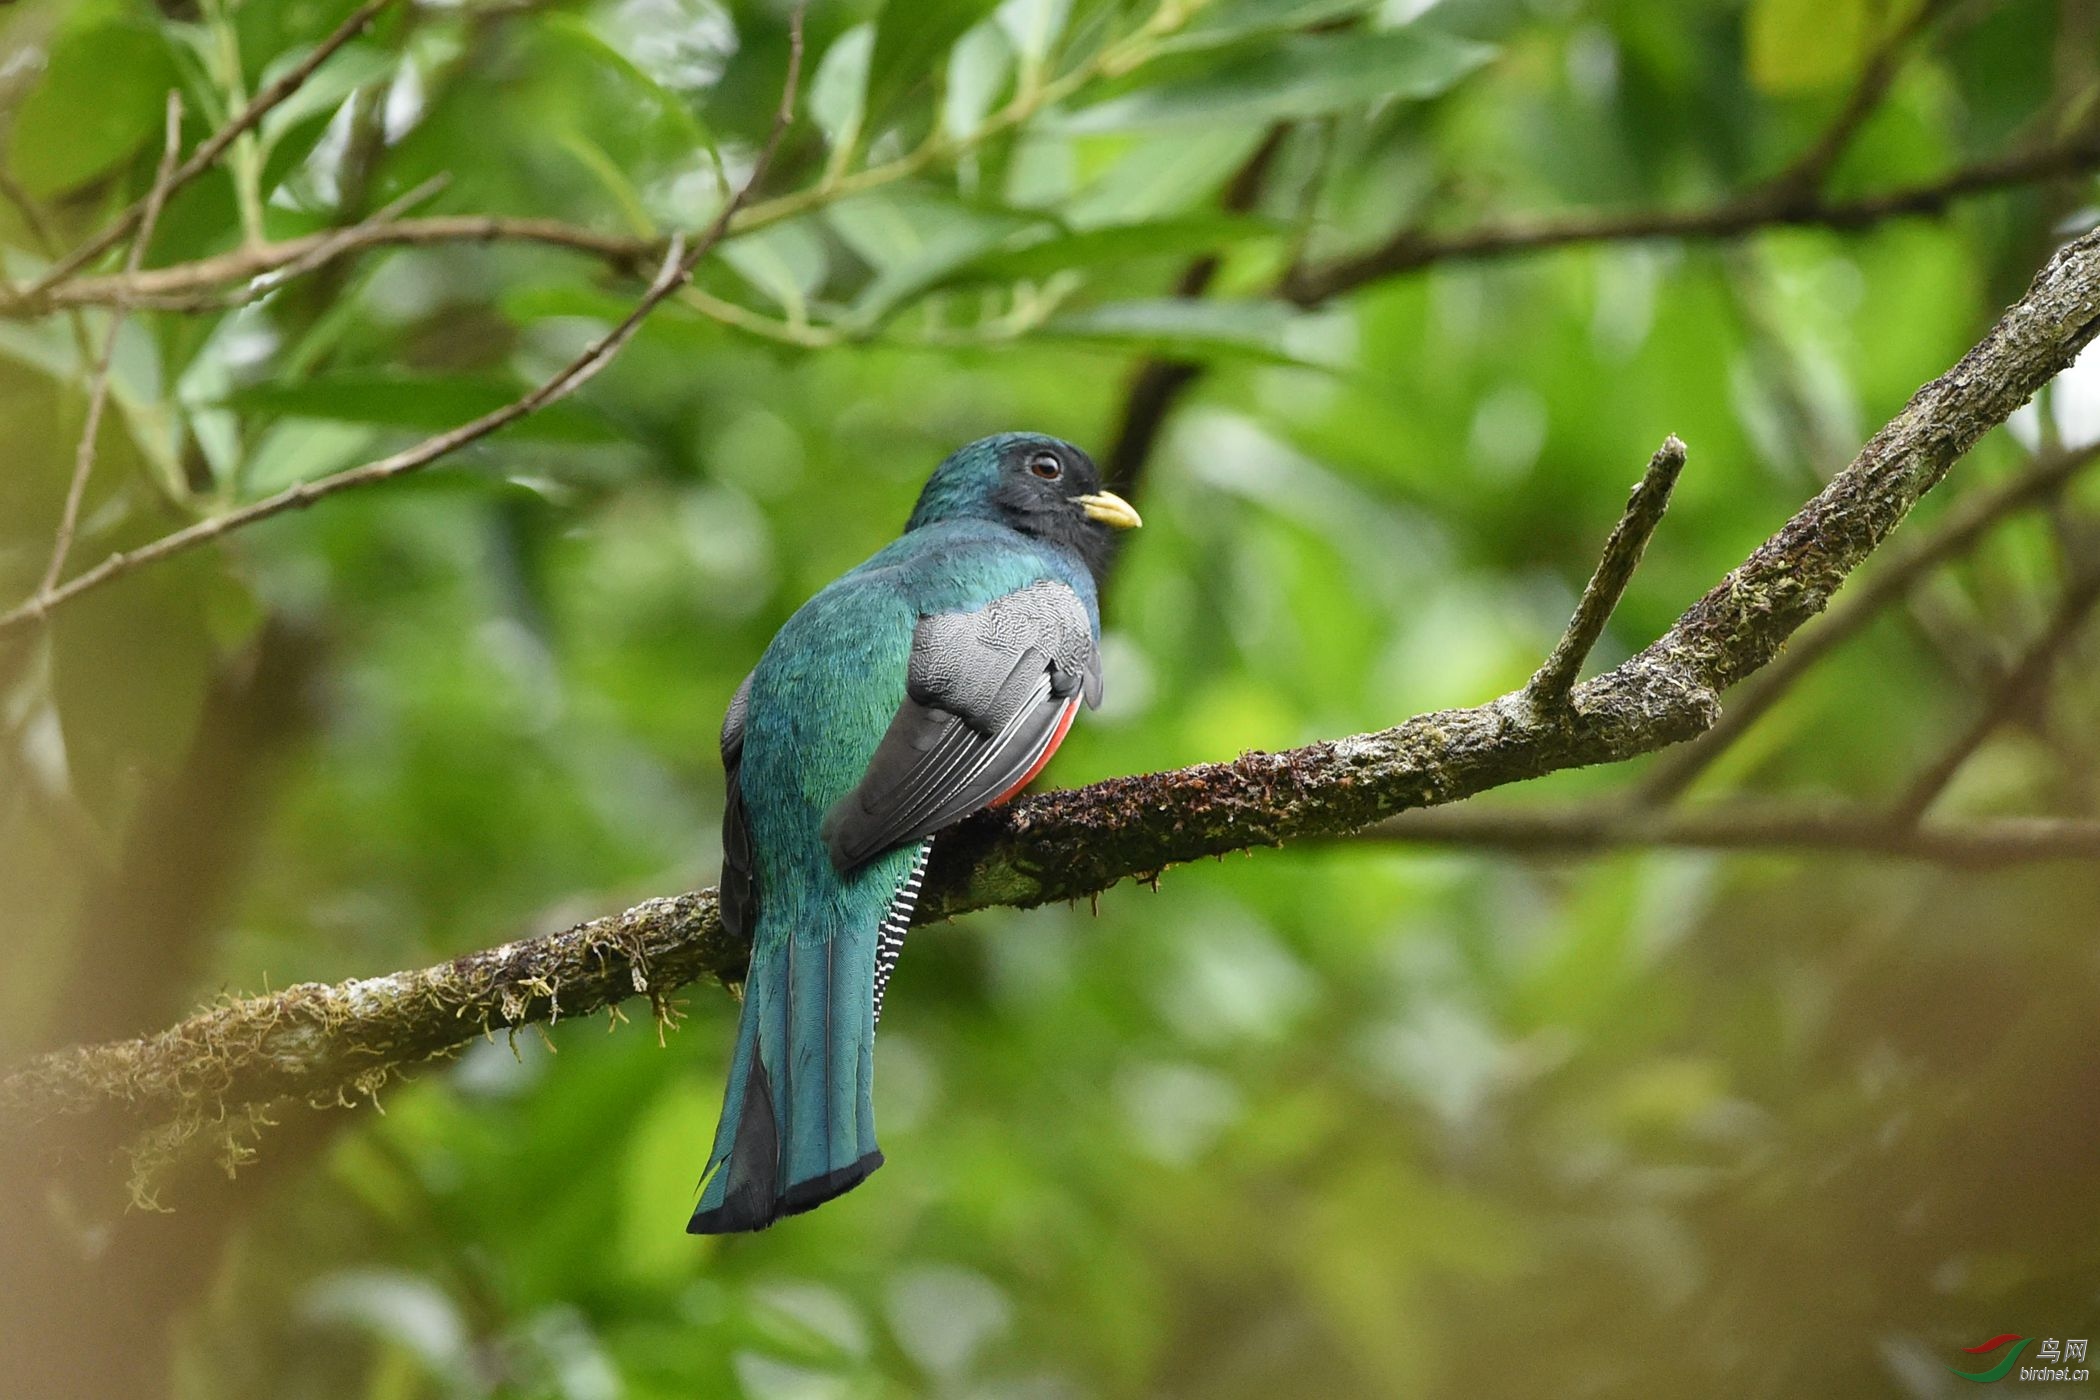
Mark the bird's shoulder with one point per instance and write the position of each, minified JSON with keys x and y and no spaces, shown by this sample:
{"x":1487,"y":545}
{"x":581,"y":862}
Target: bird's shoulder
{"x":963,"y":566}
{"x":854,"y":644}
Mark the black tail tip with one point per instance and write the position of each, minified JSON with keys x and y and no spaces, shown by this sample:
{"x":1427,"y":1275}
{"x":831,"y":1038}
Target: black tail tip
{"x":748,"y":1210}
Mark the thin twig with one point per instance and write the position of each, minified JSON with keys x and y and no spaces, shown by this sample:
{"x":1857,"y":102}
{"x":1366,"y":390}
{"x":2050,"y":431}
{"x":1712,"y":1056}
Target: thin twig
{"x":2018,"y":687}
{"x":32,"y":218}
{"x":213,"y":146}
{"x":98,"y":382}
{"x":386,"y":213}
{"x":1806,"y":829}
{"x":677,"y":267}
{"x":324,"y":251}
{"x":1804,"y":177}
{"x":1622,"y":555}
{"x":620,"y":252}
{"x":1962,"y":528}
{"x":1411,"y":250}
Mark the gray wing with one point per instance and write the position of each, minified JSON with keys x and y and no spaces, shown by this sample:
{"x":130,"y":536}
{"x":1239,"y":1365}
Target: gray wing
{"x":738,"y":886}
{"x":987,"y":699}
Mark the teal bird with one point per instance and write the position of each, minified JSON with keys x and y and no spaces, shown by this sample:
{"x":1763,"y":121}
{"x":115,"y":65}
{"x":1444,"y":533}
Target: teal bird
{"x":934,"y":680}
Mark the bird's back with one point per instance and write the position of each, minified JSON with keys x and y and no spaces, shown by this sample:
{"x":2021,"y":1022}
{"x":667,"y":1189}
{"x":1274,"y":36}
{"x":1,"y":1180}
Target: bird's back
{"x":830,"y":692}
{"x":826,"y":688}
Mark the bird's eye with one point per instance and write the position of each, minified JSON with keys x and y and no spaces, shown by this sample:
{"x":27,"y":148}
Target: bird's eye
{"x":1046,"y":466}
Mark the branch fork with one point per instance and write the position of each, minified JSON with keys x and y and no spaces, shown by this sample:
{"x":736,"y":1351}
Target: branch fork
{"x":1551,"y":688}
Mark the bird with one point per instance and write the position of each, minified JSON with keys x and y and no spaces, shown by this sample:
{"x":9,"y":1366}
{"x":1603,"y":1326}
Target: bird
{"x":932,"y":681}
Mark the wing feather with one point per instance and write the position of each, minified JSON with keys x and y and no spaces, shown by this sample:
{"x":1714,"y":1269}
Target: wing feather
{"x":739,"y":883}
{"x":989,"y":697}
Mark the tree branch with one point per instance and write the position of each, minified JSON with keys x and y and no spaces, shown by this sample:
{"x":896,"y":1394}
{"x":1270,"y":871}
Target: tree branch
{"x":324,"y":252}
{"x":1961,"y":530}
{"x":1803,"y":829}
{"x":1805,"y":176}
{"x":1622,"y":555}
{"x":323,"y":1043}
{"x":213,"y":146}
{"x":1411,"y":250}
{"x":2018,"y":686}
{"x":98,"y":377}
{"x":175,"y":283}
{"x":677,"y":267}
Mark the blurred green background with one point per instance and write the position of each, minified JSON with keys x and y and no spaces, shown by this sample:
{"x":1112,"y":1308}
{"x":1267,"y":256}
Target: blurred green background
{"x":1332,"y":1121}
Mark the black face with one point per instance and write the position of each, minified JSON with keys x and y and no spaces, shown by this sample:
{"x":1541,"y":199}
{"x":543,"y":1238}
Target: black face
{"x":1040,"y":483}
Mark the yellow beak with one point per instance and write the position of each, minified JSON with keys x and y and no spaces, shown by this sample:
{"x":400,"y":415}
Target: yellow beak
{"x":1111,"y":510}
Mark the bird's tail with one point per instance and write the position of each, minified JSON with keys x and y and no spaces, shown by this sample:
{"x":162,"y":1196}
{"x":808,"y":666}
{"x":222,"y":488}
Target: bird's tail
{"x":798,"y":1120}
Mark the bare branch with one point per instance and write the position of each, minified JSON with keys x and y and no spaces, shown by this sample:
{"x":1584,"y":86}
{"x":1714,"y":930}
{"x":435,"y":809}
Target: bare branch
{"x":327,"y":1043}
{"x":677,"y":267}
{"x":1798,"y":828}
{"x":162,"y":284}
{"x":1412,"y":250}
{"x":1600,"y":596}
{"x":2018,"y":687}
{"x":1738,"y":626}
{"x":1805,"y":176}
{"x":213,"y":146}
{"x":98,"y":378}
{"x":324,"y":251}
{"x":1960,"y":530}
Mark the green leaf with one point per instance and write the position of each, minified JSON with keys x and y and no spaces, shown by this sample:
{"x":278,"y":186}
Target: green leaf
{"x":100,"y":100}
{"x":1260,"y":82}
{"x":888,"y":230}
{"x":1043,"y":253}
{"x":592,"y":85}
{"x":786,"y":262}
{"x":913,"y":242}
{"x":355,"y":66}
{"x":838,"y":92}
{"x":300,"y":449}
{"x":910,"y":38}
{"x":618,"y":188}
{"x":978,"y":68}
{"x":1162,"y":176}
{"x":418,"y":401}
{"x":1034,"y":26}
{"x":551,"y":80}
{"x":149,"y":630}
{"x":1233,"y":20}
{"x":1193,"y":329}
{"x":135,"y":382}
{"x":931,"y":267}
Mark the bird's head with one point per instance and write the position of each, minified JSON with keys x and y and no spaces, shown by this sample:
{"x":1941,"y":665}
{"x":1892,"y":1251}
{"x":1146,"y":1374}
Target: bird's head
{"x":1037,"y":485}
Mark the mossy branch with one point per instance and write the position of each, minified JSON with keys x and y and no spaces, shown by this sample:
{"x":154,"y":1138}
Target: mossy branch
{"x":327,"y":1044}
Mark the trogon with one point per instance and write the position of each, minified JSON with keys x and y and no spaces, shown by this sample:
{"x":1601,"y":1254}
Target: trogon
{"x":934,"y":680}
